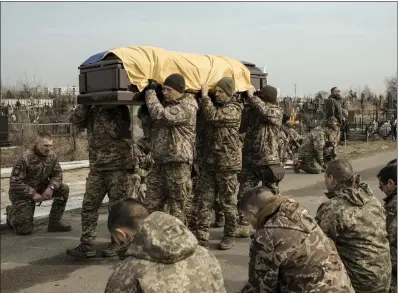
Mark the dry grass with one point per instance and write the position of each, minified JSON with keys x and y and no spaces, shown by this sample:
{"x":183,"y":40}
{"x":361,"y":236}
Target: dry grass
{"x":63,"y":147}
{"x":360,"y":149}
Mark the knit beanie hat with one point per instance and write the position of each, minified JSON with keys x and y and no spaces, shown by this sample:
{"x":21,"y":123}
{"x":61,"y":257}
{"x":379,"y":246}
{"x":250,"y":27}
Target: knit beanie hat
{"x":176,"y":81}
{"x":268,"y":94}
{"x":227,"y":84}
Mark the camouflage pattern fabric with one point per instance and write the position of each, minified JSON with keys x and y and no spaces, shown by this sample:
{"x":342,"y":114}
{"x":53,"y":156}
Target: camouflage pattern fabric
{"x":137,"y":181}
{"x":173,"y":129}
{"x":293,"y":138}
{"x":283,"y":147}
{"x":164,"y":256}
{"x":223,"y":149}
{"x":354,"y":219}
{"x":32,"y":173}
{"x":269,"y":176}
{"x":212,"y":183}
{"x":261,"y":146}
{"x":334,"y":108}
{"x":98,"y":184}
{"x":170,"y":184}
{"x":20,"y":216}
{"x":311,"y":151}
{"x":332,"y":138}
{"x":290,"y":253}
{"x":108,"y":136}
{"x":390,"y":205}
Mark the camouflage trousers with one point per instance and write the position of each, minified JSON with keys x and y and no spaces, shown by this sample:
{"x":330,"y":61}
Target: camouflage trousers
{"x":269,"y":176}
{"x":213,"y":183}
{"x":98,"y":184}
{"x":20,"y":215}
{"x":393,"y":284}
{"x":169,"y":186}
{"x":309,"y":165}
{"x":136,"y":187}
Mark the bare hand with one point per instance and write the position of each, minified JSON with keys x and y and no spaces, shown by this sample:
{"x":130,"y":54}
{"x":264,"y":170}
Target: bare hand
{"x":205,"y":90}
{"x":37,"y":198}
{"x":47,"y":194}
{"x":250,"y":92}
{"x":247,"y":288}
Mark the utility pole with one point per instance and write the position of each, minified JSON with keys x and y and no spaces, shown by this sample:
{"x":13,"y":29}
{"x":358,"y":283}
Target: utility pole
{"x":295,"y":90}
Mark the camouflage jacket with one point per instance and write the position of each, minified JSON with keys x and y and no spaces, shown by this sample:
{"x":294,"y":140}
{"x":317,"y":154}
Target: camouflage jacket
{"x":223,"y":148}
{"x":283,"y":146}
{"x":201,"y":133}
{"x":390,"y":205}
{"x":32,"y":173}
{"x":292,"y":254}
{"x":334,"y":108}
{"x":173,"y":130}
{"x":261,"y":146}
{"x":313,"y":145}
{"x":292,"y":135}
{"x":331,"y":141}
{"x":108,"y":145}
{"x":164,"y":256}
{"x":354,"y":219}
{"x":142,"y":153}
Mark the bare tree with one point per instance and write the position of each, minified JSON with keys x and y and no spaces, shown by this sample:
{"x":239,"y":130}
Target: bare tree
{"x":391,"y":86}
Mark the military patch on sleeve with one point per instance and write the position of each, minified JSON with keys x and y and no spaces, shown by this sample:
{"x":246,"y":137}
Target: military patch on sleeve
{"x":226,"y":110}
{"x":175,"y":110}
{"x":17,"y":170}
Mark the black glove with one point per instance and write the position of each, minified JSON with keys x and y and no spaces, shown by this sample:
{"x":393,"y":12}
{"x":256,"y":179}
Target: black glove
{"x":152,"y":84}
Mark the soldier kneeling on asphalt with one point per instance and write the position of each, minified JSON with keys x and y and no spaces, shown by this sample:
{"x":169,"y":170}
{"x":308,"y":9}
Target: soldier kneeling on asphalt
{"x":289,"y":252}
{"x":160,"y":254}
{"x":35,"y":177}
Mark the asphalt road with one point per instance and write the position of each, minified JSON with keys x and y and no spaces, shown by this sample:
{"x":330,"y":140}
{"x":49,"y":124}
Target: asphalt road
{"x":38,"y":263}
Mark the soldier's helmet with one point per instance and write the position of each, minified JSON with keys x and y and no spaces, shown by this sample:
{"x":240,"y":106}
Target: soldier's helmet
{"x":331,"y":121}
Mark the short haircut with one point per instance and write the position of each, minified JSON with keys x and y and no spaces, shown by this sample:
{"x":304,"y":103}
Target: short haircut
{"x":255,"y":196}
{"x":392,"y":162}
{"x":389,"y":172}
{"x":341,"y":170}
{"x":128,"y":213}
{"x":45,"y":135}
{"x":332,"y":89}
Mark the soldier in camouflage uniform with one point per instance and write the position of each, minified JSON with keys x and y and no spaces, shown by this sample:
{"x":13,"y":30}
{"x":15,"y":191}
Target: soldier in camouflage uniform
{"x":289,"y":252}
{"x":310,"y":154}
{"x":293,"y":138}
{"x":331,"y":140}
{"x":161,"y":255}
{"x":111,"y":165}
{"x":388,"y":184}
{"x":261,"y":160}
{"x":192,"y":205}
{"x":355,"y":220}
{"x":223,"y":160}
{"x":35,"y":177}
{"x":173,"y":142}
{"x":142,"y":154}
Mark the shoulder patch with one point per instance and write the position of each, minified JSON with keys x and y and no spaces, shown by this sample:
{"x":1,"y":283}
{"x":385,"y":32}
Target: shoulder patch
{"x":175,"y":110}
{"x":226,"y":110}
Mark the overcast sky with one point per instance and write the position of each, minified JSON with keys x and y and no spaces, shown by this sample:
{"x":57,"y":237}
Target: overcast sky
{"x":314,"y":45}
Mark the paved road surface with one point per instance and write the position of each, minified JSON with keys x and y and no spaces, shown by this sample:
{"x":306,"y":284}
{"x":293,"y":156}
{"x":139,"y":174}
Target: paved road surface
{"x":38,"y":263}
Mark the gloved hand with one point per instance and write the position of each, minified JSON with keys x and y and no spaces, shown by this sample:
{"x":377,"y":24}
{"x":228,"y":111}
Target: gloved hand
{"x":152,"y":84}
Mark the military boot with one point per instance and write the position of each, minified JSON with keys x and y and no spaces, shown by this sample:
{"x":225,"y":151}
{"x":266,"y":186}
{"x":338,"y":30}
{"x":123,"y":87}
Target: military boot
{"x":296,"y":167}
{"x":227,"y":242}
{"x":112,"y":250}
{"x":58,"y":226}
{"x":243,"y":229}
{"x":82,"y":251}
{"x":204,"y":244}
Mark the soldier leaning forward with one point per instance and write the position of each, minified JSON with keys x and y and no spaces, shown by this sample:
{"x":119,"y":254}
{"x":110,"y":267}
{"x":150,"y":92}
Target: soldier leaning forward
{"x":36,"y":177}
{"x":355,"y":220}
{"x":173,"y":143}
{"x":111,"y":164}
{"x":289,"y":252}
{"x":221,"y":163}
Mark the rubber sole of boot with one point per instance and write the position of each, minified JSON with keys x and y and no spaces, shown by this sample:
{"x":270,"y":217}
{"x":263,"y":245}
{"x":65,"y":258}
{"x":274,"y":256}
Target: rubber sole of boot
{"x":109,"y":254}
{"x":87,"y":254}
{"x":226,"y":247}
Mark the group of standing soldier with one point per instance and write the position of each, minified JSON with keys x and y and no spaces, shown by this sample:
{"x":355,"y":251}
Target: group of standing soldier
{"x":219,"y":140}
